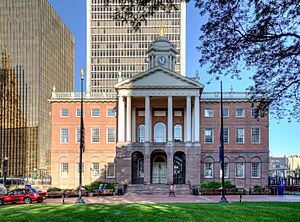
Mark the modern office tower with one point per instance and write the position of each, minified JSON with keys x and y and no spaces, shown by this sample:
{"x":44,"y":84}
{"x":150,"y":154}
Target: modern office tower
{"x":114,"y":49}
{"x":40,"y":46}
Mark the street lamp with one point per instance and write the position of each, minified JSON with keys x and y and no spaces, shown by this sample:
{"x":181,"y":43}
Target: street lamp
{"x":5,"y":160}
{"x":81,"y":147}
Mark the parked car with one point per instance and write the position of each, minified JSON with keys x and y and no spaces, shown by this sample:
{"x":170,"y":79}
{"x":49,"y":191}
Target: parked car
{"x":23,"y":195}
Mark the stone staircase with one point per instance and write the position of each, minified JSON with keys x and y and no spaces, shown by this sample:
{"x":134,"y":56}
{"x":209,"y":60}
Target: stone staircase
{"x":156,"y":189}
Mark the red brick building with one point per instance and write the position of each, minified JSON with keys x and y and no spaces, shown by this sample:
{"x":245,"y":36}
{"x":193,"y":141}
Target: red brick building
{"x":165,"y":131}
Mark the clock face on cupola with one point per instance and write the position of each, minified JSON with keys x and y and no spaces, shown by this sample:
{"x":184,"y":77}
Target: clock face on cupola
{"x":162,"y":53}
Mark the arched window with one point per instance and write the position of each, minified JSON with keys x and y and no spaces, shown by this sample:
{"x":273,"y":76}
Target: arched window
{"x":177,"y":133}
{"x":141,"y":133}
{"x":160,"y":133}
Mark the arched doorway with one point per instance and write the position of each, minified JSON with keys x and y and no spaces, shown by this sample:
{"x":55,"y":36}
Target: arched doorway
{"x":159,"y":167}
{"x":179,"y":168}
{"x":137,"y":167}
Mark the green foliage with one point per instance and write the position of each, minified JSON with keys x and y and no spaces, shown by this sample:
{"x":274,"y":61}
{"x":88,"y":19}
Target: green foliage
{"x":95,"y":185}
{"x":216,"y":185}
{"x":54,"y":189}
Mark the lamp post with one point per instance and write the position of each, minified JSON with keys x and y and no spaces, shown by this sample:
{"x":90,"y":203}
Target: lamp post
{"x":81,"y":147}
{"x":5,"y":160}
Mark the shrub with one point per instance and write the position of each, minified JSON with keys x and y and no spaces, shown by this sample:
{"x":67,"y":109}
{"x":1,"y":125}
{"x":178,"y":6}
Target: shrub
{"x":95,"y":185}
{"x":53,"y":189}
{"x":211,"y":184}
{"x":216,"y":185}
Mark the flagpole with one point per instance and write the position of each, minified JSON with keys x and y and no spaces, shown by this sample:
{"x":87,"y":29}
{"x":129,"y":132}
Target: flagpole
{"x":223,"y":198}
{"x":81,"y":147}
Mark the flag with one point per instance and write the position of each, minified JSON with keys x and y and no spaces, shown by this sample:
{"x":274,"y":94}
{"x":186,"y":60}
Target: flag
{"x":82,"y":134}
{"x":220,"y":146}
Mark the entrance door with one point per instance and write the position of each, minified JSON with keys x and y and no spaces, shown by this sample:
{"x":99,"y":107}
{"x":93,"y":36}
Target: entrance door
{"x":159,"y":172}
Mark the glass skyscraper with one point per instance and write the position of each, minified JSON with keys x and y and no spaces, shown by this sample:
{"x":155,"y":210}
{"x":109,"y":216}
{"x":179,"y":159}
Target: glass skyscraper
{"x":113,"y":47}
{"x":42,"y":48}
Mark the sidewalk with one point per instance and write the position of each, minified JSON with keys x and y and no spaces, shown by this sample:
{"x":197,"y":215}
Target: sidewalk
{"x":178,"y":199}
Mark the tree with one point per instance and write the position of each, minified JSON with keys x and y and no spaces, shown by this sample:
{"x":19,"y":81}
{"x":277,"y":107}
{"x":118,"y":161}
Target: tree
{"x":262,"y":36}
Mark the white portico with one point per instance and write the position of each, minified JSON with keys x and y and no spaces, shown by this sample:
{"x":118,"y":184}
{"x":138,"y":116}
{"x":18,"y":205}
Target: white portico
{"x":158,"y":123}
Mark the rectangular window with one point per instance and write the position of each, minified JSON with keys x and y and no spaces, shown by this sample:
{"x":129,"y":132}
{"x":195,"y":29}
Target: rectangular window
{"x":64,"y":167}
{"x":255,"y":135}
{"x":226,"y":170}
{"x":95,"y":112}
{"x":77,"y":168}
{"x":239,"y":170}
{"x":64,"y":135}
{"x":208,"y":170}
{"x":255,"y":170}
{"x":226,"y":135}
{"x":64,"y":112}
{"x":208,"y":135}
{"x":141,"y":113}
{"x":111,"y":112}
{"x":95,"y":169}
{"x":240,"y":112}
{"x":208,"y":112}
{"x":95,"y":133}
{"x":110,"y":170}
{"x":225,"y":112}
{"x":78,"y":112}
{"x":110,"y":136}
{"x":77,"y":135}
{"x":239,"y":136}
{"x":255,"y":112}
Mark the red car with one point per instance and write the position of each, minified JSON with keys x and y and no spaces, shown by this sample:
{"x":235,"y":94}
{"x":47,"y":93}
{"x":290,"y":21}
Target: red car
{"x":24,"y":195}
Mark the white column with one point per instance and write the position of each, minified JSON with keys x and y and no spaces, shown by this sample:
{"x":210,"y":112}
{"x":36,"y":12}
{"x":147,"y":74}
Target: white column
{"x":121,"y":120}
{"x":188,"y":119}
{"x":170,"y":119}
{"x":133,"y":122}
{"x":128,"y":119}
{"x":197,"y":119}
{"x":147,"y":119}
{"x":193,"y":123}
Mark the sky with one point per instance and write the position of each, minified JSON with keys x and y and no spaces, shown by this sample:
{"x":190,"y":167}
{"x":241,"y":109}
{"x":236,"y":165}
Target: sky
{"x":283,"y":136}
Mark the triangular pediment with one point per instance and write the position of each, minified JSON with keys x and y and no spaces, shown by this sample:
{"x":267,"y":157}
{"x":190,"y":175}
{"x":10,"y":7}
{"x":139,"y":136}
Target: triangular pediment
{"x":158,"y":77}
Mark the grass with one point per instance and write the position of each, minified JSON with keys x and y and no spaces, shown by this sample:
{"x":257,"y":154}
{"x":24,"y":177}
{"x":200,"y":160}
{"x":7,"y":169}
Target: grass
{"x":153,"y":212}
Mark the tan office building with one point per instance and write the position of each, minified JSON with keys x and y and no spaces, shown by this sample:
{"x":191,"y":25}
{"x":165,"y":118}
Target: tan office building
{"x":115,"y":49}
{"x":41,"y":47}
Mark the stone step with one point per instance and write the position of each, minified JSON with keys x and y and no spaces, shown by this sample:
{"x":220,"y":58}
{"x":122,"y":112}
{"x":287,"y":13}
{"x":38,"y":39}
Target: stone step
{"x":156,"y":189}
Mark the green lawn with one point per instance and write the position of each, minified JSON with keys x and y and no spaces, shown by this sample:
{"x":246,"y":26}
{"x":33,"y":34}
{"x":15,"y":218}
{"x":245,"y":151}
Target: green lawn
{"x":153,"y":212}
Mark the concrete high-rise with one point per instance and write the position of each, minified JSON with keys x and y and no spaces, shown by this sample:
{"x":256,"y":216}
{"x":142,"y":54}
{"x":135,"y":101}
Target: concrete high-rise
{"x":113,"y":47}
{"x":40,"y":45}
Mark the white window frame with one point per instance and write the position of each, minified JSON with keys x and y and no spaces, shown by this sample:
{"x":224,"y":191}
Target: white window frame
{"x":76,"y":112}
{"x":258,"y":170}
{"x":61,"y":111}
{"x":64,"y":174}
{"x":92,"y":135}
{"x":226,"y":175}
{"x":206,"y":170}
{"x":77,"y":129}
{"x":107,"y":129}
{"x":92,"y":115}
{"x":257,"y":110}
{"x":252,"y":136}
{"x":176,"y":139}
{"x":107,"y":112}
{"x":106,"y":170}
{"x":93,"y":170}
{"x":141,"y":139}
{"x":237,"y":135}
{"x":236,"y":170}
{"x":227,"y":135}
{"x":236,"y":113}
{"x":208,"y":113}
{"x":223,"y":112}
{"x":68,"y":138}
{"x":160,"y":138}
{"x":212,"y":135}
